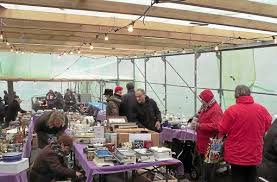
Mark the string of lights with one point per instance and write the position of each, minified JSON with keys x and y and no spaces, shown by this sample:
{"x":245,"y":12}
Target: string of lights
{"x":130,"y":28}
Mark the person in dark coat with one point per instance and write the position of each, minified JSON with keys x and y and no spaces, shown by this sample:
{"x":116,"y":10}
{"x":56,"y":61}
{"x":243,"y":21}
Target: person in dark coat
{"x":2,"y":111}
{"x":6,"y":98}
{"x":268,"y":168}
{"x":128,"y":103}
{"x":49,"y":166}
{"x":113,"y":103}
{"x":50,"y":97}
{"x":59,"y":102}
{"x":12,"y":111}
{"x":70,"y":100}
{"x":49,"y":126}
{"x":147,"y":113}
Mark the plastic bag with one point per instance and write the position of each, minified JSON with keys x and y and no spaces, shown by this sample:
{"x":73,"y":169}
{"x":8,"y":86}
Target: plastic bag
{"x":214,"y":151}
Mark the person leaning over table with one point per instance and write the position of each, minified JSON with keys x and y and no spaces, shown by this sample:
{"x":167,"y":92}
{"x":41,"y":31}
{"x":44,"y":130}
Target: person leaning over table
{"x":206,"y":127}
{"x":147,"y":113}
{"x":49,"y":166}
{"x":245,"y":125}
{"x":50,"y":124}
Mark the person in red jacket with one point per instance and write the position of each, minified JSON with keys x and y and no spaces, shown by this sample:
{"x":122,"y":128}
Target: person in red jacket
{"x":210,"y":114}
{"x":245,"y":125}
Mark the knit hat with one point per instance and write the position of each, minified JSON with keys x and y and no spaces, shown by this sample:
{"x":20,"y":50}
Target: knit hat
{"x":117,"y":89}
{"x":206,"y":95}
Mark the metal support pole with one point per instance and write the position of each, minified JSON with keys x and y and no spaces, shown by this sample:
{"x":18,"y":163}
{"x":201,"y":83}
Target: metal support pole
{"x":145,"y":75}
{"x":134,"y":70}
{"x":165,"y":83}
{"x":220,"y":91}
{"x":10,"y":91}
{"x":196,"y":56}
{"x":117,"y":70}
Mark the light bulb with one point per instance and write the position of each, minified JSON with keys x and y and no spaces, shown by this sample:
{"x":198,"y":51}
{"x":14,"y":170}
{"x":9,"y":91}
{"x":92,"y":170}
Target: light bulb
{"x":91,"y":47}
{"x":7,"y":43}
{"x":1,"y":36}
{"x":275,"y":41}
{"x":11,"y":49}
{"x":216,"y":48}
{"x":106,"y":37}
{"x":22,"y":52}
{"x":131,"y":28}
{"x":71,"y":52}
{"x":79,"y":52}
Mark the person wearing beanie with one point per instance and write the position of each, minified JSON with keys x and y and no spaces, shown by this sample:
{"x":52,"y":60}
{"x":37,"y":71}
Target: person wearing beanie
{"x":113,"y":101}
{"x":50,"y":163}
{"x":206,"y":126}
{"x":245,"y":124}
{"x":118,"y":92}
{"x":128,"y":103}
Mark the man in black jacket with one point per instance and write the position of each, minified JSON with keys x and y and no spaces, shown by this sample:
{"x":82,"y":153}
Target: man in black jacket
{"x":128,"y":103}
{"x":268,"y":168}
{"x":13,"y":109}
{"x":147,"y":112}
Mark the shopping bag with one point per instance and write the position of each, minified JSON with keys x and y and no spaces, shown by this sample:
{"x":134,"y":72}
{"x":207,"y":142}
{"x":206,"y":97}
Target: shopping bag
{"x":214,"y":151}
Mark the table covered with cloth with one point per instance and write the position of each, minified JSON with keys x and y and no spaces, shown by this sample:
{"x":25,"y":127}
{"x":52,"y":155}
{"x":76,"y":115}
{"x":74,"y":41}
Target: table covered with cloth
{"x":10,"y":177}
{"x":91,"y":169}
{"x":168,"y":134}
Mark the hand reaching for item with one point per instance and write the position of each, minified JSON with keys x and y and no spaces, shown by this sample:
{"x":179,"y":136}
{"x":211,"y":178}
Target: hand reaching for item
{"x":158,"y":125}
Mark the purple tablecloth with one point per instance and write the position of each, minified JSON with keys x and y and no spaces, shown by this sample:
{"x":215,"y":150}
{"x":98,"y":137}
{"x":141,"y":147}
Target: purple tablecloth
{"x":181,"y":134}
{"x":20,"y":177}
{"x":91,"y":169}
{"x":27,"y":148}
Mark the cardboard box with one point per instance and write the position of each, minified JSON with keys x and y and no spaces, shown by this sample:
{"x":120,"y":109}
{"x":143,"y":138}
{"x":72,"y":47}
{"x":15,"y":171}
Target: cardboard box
{"x":125,"y":136}
{"x":14,"y":167}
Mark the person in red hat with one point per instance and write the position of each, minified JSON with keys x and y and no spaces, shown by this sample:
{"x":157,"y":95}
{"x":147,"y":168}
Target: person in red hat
{"x":114,"y":102}
{"x":206,"y":125}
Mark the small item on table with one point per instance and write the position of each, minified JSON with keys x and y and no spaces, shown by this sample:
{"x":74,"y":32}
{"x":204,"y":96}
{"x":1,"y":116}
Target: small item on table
{"x":148,"y":144}
{"x":125,"y":156}
{"x":161,"y":153}
{"x":144,"y":155}
{"x":127,"y":145}
{"x":138,"y":144}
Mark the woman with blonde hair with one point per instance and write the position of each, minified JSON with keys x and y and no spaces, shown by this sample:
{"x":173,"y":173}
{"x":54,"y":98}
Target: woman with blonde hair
{"x":50,"y":125}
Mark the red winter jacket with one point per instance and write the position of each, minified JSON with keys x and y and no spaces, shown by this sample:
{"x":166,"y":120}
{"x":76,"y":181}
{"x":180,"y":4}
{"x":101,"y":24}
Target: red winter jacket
{"x":208,"y":121}
{"x":245,"y":125}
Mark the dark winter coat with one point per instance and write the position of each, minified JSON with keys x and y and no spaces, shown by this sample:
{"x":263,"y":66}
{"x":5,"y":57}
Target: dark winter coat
{"x":59,"y":102}
{"x":42,"y":129}
{"x":6,"y":99}
{"x":127,"y":105}
{"x":113,"y":105}
{"x":147,"y":114}
{"x":13,"y":109}
{"x":69,"y":99}
{"x":49,"y":166}
{"x":269,"y":165}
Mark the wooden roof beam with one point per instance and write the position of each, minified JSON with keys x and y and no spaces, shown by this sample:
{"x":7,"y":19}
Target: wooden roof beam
{"x":133,"y":9}
{"x":240,"y":6}
{"x":84,"y":23}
